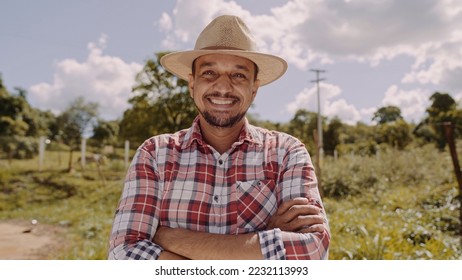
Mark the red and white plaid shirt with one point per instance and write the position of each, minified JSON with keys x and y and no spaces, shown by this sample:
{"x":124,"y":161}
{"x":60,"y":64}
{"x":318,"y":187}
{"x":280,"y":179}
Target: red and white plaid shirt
{"x":179,"y":181}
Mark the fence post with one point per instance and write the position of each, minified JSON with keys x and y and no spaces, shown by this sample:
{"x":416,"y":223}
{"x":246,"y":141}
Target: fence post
{"x":41,"y":152}
{"x":449,"y":133}
{"x":83,"y":152}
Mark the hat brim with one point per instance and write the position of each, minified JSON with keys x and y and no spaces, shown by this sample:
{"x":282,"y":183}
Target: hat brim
{"x":270,"y":67}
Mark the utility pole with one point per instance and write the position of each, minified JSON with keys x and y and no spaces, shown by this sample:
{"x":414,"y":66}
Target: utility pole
{"x":319,"y":129}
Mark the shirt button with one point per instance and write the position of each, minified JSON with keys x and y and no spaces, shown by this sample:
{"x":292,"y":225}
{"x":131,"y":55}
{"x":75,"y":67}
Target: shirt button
{"x":215,"y":198}
{"x":220,"y":162}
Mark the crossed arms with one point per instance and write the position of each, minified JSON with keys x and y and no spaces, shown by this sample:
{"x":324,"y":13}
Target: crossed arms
{"x":292,"y":217}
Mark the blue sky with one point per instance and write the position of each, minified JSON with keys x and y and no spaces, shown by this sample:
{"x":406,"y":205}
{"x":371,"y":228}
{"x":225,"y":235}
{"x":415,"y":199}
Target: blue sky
{"x":375,"y":52}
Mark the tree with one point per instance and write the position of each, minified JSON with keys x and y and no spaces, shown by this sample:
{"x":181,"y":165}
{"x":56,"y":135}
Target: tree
{"x":161,"y":105}
{"x":105,"y":133}
{"x":443,"y":108}
{"x":303,"y":125}
{"x":20,"y":124}
{"x":332,"y":136}
{"x":76,"y":122}
{"x":387,"y":114}
{"x":396,"y":134}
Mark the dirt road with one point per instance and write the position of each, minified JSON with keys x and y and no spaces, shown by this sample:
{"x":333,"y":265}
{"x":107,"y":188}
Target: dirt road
{"x":20,"y":240}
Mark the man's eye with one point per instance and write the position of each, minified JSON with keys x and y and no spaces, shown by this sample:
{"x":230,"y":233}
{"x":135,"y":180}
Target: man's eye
{"x":208,"y":73}
{"x":239,"y":76}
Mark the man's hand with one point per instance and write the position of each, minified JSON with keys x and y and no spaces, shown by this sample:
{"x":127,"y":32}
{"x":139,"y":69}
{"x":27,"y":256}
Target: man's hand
{"x":297,"y":215}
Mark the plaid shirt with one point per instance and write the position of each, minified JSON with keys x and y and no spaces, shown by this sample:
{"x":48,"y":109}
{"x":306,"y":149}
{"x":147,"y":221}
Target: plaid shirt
{"x":178,"y":181}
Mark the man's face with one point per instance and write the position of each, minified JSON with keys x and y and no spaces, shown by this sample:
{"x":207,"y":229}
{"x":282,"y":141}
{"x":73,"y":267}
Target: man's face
{"x":223,"y":88}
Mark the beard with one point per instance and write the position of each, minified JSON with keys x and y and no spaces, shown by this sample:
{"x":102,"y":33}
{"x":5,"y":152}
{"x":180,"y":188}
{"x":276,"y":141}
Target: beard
{"x":222,"y":122}
{"x":214,"y":119}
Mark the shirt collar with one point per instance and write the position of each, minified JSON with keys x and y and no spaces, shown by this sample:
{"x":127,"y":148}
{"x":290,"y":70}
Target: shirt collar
{"x":248,"y":133}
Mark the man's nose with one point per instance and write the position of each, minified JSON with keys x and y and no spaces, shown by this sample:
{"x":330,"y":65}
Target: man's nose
{"x":223,"y":84}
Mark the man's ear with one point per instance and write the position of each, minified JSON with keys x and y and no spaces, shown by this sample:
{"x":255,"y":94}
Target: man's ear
{"x":255,"y":87}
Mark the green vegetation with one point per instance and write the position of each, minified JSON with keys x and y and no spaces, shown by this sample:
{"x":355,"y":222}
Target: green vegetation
{"x":82,"y":202}
{"x":392,"y":205}
{"x":396,"y":205}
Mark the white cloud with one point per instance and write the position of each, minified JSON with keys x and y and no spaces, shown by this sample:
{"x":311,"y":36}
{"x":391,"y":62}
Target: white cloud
{"x":104,"y":79}
{"x":412,"y":103}
{"x":330,"y":106}
{"x":165,"y":22}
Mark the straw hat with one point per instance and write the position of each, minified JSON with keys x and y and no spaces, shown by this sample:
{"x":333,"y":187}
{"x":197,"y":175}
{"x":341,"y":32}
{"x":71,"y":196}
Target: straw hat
{"x":226,"y":35}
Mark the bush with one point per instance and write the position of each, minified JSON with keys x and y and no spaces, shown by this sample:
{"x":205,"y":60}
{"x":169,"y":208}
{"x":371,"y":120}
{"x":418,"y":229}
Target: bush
{"x":19,"y":147}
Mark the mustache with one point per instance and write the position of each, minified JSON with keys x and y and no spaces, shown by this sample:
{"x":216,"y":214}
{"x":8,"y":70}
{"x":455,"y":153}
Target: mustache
{"x":220,"y":95}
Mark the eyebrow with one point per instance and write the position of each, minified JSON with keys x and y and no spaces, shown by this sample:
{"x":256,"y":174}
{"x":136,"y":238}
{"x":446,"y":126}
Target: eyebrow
{"x":211,"y":63}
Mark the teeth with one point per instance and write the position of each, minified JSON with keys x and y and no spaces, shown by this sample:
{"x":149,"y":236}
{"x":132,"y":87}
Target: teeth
{"x":221,"y":101}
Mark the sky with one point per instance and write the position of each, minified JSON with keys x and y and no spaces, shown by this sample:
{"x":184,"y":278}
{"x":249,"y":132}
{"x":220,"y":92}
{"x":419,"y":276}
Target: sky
{"x":374,"y":53}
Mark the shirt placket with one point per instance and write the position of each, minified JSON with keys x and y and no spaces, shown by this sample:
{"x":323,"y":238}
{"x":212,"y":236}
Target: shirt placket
{"x":220,"y":193}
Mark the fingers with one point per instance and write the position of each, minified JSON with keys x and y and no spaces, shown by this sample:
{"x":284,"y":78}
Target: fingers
{"x":314,"y":228}
{"x":302,"y":222}
{"x":300,"y":210}
{"x":286,"y":205}
{"x":295,"y":215}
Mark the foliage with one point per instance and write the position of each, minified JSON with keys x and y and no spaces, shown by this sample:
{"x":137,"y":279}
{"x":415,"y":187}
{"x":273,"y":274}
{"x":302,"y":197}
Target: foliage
{"x":443,"y":109}
{"x":396,"y":134}
{"x":393,"y":205}
{"x":302,"y":126}
{"x":387,"y":114}
{"x":105,"y":133}
{"x":161,"y":105}
{"x":75,"y":123}
{"x":20,"y":124}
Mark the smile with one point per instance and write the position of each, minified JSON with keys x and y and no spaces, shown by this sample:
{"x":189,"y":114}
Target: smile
{"x":221,"y":101}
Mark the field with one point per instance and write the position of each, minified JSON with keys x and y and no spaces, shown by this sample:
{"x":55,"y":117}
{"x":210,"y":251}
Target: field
{"x":393,"y":205}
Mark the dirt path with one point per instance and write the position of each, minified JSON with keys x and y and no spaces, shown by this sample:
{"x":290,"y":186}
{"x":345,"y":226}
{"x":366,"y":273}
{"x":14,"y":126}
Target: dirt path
{"x":20,"y":240}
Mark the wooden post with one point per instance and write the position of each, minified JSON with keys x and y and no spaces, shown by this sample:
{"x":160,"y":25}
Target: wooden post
{"x":449,"y":133}
{"x":83,"y":153}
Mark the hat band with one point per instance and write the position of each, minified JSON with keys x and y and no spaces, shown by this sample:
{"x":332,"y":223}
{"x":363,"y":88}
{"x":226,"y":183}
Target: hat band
{"x":222,"y":48}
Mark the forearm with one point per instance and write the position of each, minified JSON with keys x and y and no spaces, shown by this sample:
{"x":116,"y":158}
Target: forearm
{"x":136,"y":217}
{"x":209,"y":246}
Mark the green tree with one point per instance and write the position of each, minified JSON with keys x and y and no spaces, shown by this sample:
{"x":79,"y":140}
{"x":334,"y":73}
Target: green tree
{"x":303,"y":125}
{"x":332,"y":136}
{"x":76,"y":122}
{"x":396,"y":134}
{"x":161,"y":105}
{"x":443,"y":108}
{"x":20,"y":124}
{"x":105,"y":133}
{"x":387,"y":114}
{"x":357,"y":139}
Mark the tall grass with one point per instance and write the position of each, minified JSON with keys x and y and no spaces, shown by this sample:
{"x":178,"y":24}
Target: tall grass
{"x":396,"y":205}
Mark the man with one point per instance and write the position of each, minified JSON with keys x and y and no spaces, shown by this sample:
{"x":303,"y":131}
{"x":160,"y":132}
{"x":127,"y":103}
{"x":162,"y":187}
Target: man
{"x":222,"y":189}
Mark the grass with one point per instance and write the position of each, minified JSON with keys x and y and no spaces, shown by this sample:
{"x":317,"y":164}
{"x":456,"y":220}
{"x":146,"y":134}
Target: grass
{"x":81,"y":202}
{"x":398,"y":205}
